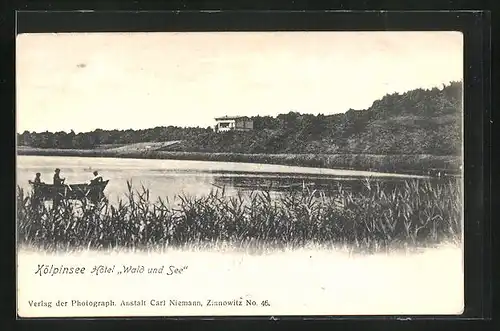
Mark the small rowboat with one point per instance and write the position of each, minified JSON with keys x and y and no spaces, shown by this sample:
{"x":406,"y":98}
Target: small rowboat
{"x":69,"y":191}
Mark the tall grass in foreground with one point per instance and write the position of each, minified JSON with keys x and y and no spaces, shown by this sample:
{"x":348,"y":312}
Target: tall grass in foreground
{"x":377,"y":217}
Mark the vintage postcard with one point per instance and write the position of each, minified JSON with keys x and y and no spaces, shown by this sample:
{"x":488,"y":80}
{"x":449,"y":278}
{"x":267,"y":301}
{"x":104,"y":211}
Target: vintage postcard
{"x":239,"y":173}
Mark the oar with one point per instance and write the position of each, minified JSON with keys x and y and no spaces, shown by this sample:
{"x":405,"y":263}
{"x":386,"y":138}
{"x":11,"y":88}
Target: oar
{"x":219,"y":187}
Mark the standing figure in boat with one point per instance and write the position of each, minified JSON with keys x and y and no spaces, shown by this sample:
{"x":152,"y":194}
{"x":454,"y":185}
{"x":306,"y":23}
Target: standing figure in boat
{"x":58,"y":181}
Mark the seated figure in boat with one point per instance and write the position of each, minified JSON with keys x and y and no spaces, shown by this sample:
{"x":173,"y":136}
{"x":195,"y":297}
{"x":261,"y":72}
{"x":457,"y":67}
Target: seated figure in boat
{"x":36,"y":188}
{"x":37,"y":179}
{"x":97,"y":178}
{"x":95,"y":192}
{"x":58,"y":181}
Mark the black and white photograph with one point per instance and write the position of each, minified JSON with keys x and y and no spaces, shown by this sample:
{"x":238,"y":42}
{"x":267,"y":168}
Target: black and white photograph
{"x":239,"y":173}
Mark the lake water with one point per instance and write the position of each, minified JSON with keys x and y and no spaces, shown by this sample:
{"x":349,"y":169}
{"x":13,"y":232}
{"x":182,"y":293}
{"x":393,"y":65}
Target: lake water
{"x":169,"y":178}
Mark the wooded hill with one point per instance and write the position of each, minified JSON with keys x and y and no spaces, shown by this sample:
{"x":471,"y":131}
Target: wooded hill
{"x":416,"y":122}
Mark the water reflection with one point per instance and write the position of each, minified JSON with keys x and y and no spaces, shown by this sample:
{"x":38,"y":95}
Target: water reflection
{"x":327,"y":185}
{"x":171,"y":178}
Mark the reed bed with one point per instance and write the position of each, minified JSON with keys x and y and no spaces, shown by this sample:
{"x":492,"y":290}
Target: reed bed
{"x":373,"y":218}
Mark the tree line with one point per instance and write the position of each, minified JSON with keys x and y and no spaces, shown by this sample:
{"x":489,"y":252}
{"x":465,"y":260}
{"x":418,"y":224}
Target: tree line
{"x":419,"y":121}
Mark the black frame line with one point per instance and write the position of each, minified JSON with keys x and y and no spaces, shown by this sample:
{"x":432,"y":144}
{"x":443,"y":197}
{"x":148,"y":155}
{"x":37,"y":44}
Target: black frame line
{"x":477,"y":107}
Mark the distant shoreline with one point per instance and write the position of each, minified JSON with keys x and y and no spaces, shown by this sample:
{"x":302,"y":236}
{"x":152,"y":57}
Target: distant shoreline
{"x":417,"y":164}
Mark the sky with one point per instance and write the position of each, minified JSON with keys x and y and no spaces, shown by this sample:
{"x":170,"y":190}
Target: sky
{"x":85,"y":81}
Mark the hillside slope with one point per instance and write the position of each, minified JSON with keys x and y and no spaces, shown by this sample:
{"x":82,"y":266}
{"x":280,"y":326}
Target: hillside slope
{"x":416,"y":122}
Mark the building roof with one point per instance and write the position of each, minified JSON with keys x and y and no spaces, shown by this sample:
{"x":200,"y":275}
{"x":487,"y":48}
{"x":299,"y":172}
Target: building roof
{"x":230,"y":118}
